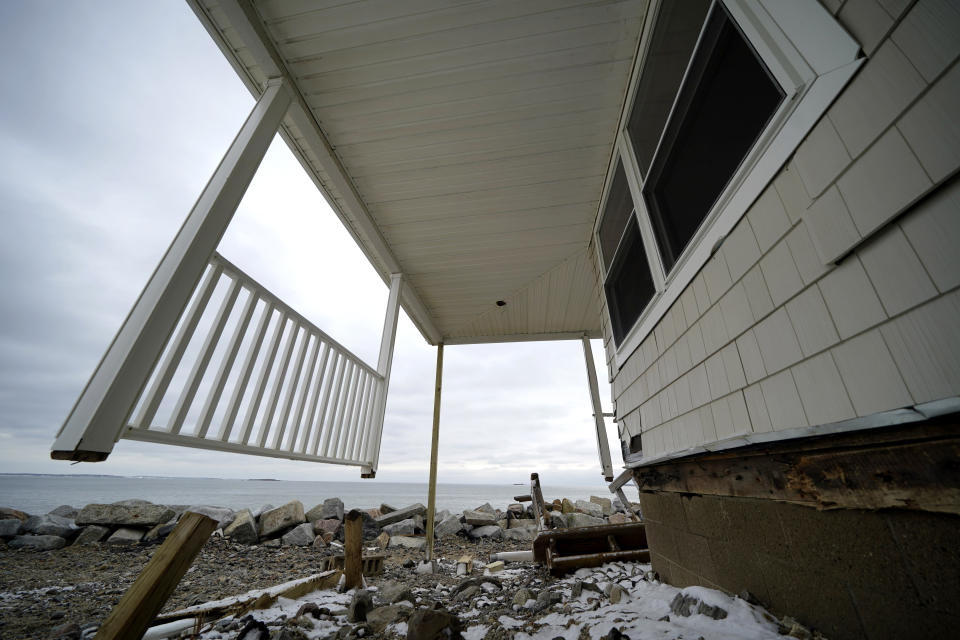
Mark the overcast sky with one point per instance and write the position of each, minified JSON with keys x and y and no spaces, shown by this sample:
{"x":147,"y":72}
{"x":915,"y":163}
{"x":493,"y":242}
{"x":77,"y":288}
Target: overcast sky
{"x":113,"y":117}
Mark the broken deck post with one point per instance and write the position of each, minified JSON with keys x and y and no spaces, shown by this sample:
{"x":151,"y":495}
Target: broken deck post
{"x":434,"y":443}
{"x":353,"y":550}
{"x":149,"y":592}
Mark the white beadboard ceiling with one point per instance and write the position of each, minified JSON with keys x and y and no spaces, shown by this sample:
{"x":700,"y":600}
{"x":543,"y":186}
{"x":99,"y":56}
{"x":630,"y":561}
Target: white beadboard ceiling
{"x":463,"y":143}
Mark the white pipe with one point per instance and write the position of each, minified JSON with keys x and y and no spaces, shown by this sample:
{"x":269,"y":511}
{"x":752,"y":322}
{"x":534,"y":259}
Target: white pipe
{"x":169,"y":629}
{"x":513,"y":556}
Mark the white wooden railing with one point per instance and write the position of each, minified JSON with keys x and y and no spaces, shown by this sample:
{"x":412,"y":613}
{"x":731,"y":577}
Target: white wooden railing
{"x":262,"y":379}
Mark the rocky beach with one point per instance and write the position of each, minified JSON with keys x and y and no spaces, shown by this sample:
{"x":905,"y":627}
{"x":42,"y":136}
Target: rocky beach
{"x":62,"y":572}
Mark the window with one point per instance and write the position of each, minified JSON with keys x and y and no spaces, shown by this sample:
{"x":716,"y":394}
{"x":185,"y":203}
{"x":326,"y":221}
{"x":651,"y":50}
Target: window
{"x":629,"y":285}
{"x":723,"y":93}
{"x":726,"y":102}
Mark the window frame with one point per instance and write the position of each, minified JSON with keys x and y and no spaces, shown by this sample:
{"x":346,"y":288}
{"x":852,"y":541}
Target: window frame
{"x":811,"y":57}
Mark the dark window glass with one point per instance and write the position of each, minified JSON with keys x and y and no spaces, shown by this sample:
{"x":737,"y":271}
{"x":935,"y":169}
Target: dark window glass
{"x":673,"y":40}
{"x":629,"y":286}
{"x":725,"y":103}
{"x":618,"y":209}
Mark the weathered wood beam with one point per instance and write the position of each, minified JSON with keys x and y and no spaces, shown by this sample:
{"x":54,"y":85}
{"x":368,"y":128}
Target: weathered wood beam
{"x":910,"y":468}
{"x":353,"y":550}
{"x":146,"y":597}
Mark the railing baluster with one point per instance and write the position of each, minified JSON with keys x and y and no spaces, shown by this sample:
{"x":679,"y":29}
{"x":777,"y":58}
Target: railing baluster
{"x":291,"y":391}
{"x":336,"y":413}
{"x":171,"y":361}
{"x":348,"y":414}
{"x":262,"y":378}
{"x":331,"y":409}
{"x":226,"y":426}
{"x":213,"y":398}
{"x":200,"y":366}
{"x":305,"y":389}
{"x":312,"y":432}
{"x":278,"y":383}
{"x":316,"y":404}
{"x":356,"y":433}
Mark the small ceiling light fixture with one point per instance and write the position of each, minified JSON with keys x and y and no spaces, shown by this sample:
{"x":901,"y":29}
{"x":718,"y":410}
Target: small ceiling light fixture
{"x":501,"y":303}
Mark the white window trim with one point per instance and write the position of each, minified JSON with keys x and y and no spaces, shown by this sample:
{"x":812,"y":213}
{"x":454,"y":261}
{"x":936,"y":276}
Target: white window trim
{"x":812,"y":58}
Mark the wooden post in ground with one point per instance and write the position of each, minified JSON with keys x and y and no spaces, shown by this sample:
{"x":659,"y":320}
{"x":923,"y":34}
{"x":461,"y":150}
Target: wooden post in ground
{"x":353,"y":550}
{"x":146,"y":597}
{"x":432,"y":492}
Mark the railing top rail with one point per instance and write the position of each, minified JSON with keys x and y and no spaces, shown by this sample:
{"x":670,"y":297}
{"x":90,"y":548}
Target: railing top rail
{"x":231,"y":269}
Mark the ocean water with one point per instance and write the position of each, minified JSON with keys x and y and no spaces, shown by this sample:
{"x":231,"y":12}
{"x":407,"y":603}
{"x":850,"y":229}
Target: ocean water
{"x":37,"y":494}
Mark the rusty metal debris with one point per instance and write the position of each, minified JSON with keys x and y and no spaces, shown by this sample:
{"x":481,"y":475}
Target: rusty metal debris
{"x":562,"y":550}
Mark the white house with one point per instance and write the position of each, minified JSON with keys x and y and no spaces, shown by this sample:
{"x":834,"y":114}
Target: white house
{"x":753,"y":203}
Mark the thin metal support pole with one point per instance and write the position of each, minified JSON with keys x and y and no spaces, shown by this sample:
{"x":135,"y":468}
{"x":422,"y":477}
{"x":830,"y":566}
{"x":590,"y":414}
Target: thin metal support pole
{"x":434,"y":444}
{"x":603,"y":446}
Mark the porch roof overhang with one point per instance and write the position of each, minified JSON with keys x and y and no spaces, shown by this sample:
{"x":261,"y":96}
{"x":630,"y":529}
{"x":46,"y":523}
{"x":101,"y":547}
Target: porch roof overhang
{"x":461,"y":143}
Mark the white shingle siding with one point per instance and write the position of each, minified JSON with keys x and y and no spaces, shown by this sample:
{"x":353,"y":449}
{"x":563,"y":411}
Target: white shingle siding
{"x":827,"y":302}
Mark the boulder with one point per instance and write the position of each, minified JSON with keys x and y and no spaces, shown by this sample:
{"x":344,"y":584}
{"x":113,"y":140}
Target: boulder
{"x":575,"y":520}
{"x":329,"y":509}
{"x":420,"y":524}
{"x":160,"y":532}
{"x":7,"y":512}
{"x":222,"y":515}
{"x":383,"y":540}
{"x":491,"y":531}
{"x":618,"y":518}
{"x":433,"y":624}
{"x":282,"y":518}
{"x":401,"y":514}
{"x":329,"y":525}
{"x":386,"y":508}
{"x":479,"y":518}
{"x":684,"y":604}
{"x":394,"y":592}
{"x":50,"y":525}
{"x":408,"y":542}
{"x":447,"y":527}
{"x":91,"y":534}
{"x":606,"y":505}
{"x":589,"y":508}
{"x":503,"y":524}
{"x":38,"y":543}
{"x":402,"y":528}
{"x":522,"y":524}
{"x":300,"y":536}
{"x":126,"y":535}
{"x":319,"y":542}
{"x":10,"y":527}
{"x":139,"y":515}
{"x":262,"y":510}
{"x":522,"y":534}
{"x":381,"y":617}
{"x":566,"y":506}
{"x":487,"y":508}
{"x":617,"y":594}
{"x":522,"y":595}
{"x":360,"y":604}
{"x":370,"y":529}
{"x":65,"y":511}
{"x":243,"y":529}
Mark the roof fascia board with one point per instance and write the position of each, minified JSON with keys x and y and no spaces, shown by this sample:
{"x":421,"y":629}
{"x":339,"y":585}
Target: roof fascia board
{"x":243,"y":19}
{"x":523,"y":337}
